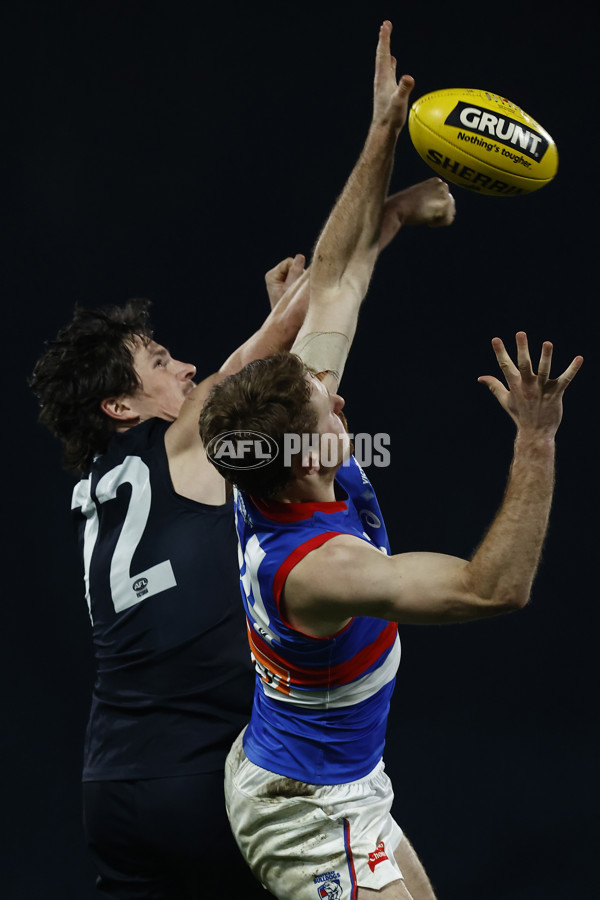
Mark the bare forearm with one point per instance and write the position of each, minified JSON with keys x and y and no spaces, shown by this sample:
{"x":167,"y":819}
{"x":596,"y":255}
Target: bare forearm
{"x":503,"y":568}
{"x":348,"y":245}
{"x":262,"y":343}
{"x":346,"y":251}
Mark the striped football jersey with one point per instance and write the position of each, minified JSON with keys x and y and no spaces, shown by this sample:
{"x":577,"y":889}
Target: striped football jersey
{"x":320,"y":703}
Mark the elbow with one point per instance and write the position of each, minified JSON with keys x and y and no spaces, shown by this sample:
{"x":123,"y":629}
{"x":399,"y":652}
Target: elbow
{"x":502,"y":596}
{"x":475,"y":606}
{"x":511,"y":601}
{"x":508,"y":599}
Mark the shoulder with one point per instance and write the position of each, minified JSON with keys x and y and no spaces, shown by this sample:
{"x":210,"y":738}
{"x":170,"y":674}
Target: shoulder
{"x":143,"y":440}
{"x":320,"y":586}
{"x":336,"y":557}
{"x":139,"y":439}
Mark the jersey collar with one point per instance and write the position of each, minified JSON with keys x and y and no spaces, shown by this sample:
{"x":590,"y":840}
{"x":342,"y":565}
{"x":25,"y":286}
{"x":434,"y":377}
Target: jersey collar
{"x":297,"y":512}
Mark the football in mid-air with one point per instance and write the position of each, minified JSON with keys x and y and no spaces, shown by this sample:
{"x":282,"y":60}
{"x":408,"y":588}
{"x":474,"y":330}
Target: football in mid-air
{"x":482,"y":142}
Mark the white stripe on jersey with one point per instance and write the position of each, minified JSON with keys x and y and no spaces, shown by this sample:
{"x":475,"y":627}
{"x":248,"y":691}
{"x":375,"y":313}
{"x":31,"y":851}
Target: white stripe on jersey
{"x":344,"y":695}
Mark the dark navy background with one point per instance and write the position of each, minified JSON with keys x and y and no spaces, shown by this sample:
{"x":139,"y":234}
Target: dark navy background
{"x":165,"y":150}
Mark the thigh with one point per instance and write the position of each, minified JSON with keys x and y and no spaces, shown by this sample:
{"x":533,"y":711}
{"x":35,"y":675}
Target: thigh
{"x":415,"y":884}
{"x":395,"y":891}
{"x":164,"y":839}
{"x":124,"y":865}
{"x":413,"y":871}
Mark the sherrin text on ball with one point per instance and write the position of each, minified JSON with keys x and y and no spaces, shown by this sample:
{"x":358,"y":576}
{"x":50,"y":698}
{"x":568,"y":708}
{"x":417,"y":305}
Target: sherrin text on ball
{"x":482,"y":142}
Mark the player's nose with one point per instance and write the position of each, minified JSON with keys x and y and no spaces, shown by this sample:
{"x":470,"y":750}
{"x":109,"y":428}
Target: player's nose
{"x":185,"y":371}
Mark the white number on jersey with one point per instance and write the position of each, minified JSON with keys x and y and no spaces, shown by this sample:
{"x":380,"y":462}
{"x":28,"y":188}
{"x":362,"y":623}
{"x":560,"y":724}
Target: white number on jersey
{"x":126,"y":589}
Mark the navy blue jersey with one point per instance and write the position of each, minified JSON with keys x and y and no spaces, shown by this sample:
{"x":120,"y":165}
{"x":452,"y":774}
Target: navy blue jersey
{"x":174,"y":680}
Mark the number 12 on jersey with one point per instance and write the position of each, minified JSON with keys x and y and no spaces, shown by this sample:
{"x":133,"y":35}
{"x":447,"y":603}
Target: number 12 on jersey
{"x":126,"y":589}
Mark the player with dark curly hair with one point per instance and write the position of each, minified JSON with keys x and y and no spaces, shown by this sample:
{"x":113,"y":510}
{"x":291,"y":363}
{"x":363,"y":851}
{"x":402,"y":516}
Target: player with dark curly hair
{"x":157,"y":537}
{"x":173,"y":683}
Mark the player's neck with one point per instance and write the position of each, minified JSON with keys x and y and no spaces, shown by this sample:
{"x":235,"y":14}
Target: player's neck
{"x":315,"y":488}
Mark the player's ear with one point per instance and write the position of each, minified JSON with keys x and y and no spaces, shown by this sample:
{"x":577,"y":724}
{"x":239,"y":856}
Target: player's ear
{"x":118,"y":408}
{"x":309,"y":463}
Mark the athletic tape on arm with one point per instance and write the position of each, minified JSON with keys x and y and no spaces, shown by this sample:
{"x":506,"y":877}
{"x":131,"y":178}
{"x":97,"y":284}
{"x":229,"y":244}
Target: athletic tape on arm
{"x":324,"y":351}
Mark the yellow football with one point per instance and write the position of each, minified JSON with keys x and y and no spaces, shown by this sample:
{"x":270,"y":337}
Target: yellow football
{"x":482,"y":142}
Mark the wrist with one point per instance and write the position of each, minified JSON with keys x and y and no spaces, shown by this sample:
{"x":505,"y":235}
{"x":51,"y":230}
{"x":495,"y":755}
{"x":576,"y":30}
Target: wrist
{"x":384,"y":130}
{"x":533,"y":440}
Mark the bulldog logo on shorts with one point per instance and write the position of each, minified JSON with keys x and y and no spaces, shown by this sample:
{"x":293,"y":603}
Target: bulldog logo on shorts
{"x":328,"y":886}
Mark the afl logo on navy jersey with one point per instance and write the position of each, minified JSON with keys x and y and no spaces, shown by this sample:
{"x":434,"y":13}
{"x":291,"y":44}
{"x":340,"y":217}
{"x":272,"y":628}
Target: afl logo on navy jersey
{"x":141,"y":586}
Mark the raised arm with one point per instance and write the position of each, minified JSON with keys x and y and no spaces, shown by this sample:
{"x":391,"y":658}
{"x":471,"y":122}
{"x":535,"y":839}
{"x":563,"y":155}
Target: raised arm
{"x":361,"y":199}
{"x":425,"y":203}
{"x":346,"y":251}
{"x":352,"y":236}
{"x":347,"y":577}
{"x":277,"y":332}
{"x":288,"y":283}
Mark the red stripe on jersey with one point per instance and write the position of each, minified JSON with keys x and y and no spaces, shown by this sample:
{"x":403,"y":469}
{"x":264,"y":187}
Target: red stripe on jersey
{"x":294,"y":558}
{"x":296,"y":512}
{"x":323,"y":676}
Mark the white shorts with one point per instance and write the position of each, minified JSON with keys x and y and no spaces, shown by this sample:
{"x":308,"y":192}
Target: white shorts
{"x":305,"y":842}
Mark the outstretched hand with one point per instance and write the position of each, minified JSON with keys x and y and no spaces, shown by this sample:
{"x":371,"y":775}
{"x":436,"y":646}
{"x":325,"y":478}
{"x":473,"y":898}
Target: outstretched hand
{"x":390,"y":97}
{"x":426,"y":203}
{"x":533,"y":401}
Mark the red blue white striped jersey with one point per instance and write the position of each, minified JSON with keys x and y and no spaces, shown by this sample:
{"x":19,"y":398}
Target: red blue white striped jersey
{"x":320,"y":704}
